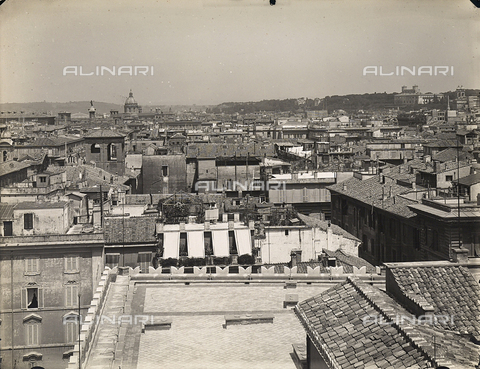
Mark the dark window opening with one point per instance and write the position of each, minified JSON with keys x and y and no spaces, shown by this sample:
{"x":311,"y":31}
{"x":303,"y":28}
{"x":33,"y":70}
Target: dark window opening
{"x":165,"y":170}
{"x":7,"y":228}
{"x":232,"y":243}
{"x":32,"y":298}
{"x":144,"y":260}
{"x":43,"y":179}
{"x":207,"y":237}
{"x":28,"y":221}
{"x":286,"y":232}
{"x":183,"y":244}
{"x":112,"y":260}
{"x":95,"y":149}
{"x":112,"y":152}
{"x":4,"y":156}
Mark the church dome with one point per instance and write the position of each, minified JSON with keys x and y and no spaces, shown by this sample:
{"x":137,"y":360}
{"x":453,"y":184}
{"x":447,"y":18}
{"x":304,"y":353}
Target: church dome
{"x":130,"y":99}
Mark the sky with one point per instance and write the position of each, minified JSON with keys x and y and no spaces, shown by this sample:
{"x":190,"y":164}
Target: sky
{"x":212,"y":51}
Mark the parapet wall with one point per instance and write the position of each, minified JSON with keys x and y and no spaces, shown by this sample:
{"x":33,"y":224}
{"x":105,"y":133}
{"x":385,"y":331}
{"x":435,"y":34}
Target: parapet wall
{"x":88,"y":324}
{"x":248,"y":273}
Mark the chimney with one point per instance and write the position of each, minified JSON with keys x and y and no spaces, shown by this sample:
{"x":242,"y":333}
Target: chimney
{"x":390,"y":192}
{"x":414,"y":186}
{"x":460,"y":255}
{"x":295,"y":257}
{"x":344,"y":186}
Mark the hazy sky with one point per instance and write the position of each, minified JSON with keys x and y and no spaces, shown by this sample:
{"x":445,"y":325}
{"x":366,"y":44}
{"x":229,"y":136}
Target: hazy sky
{"x":213,"y":51}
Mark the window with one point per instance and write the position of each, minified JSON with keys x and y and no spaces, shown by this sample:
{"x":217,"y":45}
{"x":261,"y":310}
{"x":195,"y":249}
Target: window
{"x":112,"y":260}
{"x":165,"y":170}
{"x":71,"y":295}
{"x":393,"y":229}
{"x":286,"y":232}
{"x":111,"y":152}
{"x":70,"y":323}
{"x":95,"y":149}
{"x":144,"y":259}
{"x":32,"y":330}
{"x":7,"y":228}
{"x":449,"y":178}
{"x":305,"y":194}
{"x":5,"y":156}
{"x":32,"y":265}
{"x":43,"y":179}
{"x":32,"y":298}
{"x":71,"y":264}
{"x":28,"y":221}
{"x":232,"y":243}
{"x":183,"y":244}
{"x":207,"y":237}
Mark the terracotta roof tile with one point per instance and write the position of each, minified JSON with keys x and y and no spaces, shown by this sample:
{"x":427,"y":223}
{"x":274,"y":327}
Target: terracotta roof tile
{"x":450,"y":290}
{"x":339,"y":323}
{"x":370,"y":192}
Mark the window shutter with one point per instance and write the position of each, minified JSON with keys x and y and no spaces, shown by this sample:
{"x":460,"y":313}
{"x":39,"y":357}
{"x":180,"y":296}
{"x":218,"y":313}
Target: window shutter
{"x":68,"y":296}
{"x":40,"y":297}
{"x":24,"y":298}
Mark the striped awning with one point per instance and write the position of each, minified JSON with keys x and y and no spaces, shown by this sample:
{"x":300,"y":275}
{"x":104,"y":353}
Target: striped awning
{"x":220,"y":243}
{"x":244,"y":242}
{"x":195,"y":244}
{"x":171,"y":245}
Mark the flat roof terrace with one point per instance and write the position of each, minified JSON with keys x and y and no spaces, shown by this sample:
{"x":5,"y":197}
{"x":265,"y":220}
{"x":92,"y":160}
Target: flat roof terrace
{"x":198,"y":336}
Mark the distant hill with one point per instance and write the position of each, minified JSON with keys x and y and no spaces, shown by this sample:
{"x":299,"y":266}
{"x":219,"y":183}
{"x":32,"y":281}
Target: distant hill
{"x":349,"y":103}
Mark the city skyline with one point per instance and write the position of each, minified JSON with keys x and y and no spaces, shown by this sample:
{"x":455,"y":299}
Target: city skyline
{"x":209,"y":52}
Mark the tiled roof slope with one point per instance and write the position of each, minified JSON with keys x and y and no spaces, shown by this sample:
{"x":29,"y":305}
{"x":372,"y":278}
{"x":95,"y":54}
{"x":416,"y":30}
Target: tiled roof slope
{"x":128,"y":230}
{"x":103,"y":133}
{"x":6,"y":211}
{"x":341,"y":326}
{"x":334,"y":323}
{"x":324,"y":224}
{"x":451,"y":154}
{"x":346,"y":260}
{"x":215,"y":150}
{"x":451,"y":290}
{"x":370,"y":192}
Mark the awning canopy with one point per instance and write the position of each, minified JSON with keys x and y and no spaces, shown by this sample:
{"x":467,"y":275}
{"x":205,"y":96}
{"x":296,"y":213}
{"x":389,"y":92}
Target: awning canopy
{"x":171,"y":245}
{"x":244,"y":242}
{"x":220,"y":243}
{"x":195,"y":244}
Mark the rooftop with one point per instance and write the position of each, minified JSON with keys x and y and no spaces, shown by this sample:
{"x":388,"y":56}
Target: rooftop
{"x":324,"y":225}
{"x":356,"y":325}
{"x":371,"y":191}
{"x":103,"y":133}
{"x":197,"y":337}
{"x":450,"y":289}
{"x":40,"y":205}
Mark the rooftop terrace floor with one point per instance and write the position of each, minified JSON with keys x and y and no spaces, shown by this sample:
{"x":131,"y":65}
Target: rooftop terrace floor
{"x":197,"y":337}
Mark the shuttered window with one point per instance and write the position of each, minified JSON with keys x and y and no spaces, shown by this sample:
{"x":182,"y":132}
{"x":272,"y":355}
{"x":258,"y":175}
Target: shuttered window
{"x":71,"y":296}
